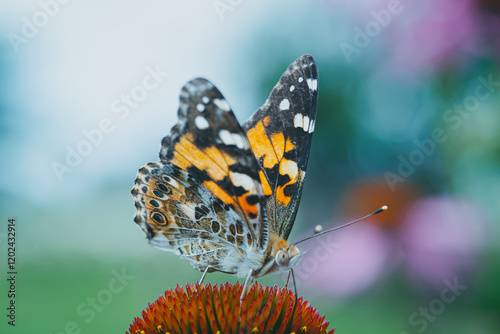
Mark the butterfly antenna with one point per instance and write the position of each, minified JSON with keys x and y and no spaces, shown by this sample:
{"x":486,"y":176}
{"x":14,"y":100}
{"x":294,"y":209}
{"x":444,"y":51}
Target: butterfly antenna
{"x":341,"y":226}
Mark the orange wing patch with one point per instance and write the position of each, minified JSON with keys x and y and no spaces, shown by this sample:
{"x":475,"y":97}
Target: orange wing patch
{"x":272,"y":151}
{"x":280,"y":146}
{"x":265,"y":184}
{"x":180,"y":161}
{"x":215,"y":162}
{"x":203,"y":160}
{"x":290,"y":168}
{"x":219,"y":192}
{"x":261,"y":145}
{"x":220,"y":157}
{"x":278,"y":140}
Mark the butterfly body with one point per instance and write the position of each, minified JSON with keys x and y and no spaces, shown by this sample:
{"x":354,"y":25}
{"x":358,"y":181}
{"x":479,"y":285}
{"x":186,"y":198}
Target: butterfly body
{"x":224,"y":195}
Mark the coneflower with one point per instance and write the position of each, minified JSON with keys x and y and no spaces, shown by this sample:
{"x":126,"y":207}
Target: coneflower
{"x":214,"y":309}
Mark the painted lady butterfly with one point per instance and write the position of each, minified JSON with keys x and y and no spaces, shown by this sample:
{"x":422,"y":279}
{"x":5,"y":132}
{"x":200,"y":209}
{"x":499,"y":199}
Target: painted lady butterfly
{"x":225,"y":196}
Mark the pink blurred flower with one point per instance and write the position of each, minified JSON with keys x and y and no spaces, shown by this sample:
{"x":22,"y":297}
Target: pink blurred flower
{"x":344,"y":262}
{"x":433,"y":34}
{"x":442,"y":237}
{"x":353,"y":259}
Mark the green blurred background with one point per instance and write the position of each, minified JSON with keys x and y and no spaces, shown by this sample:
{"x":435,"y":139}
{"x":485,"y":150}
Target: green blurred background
{"x":408,"y":116}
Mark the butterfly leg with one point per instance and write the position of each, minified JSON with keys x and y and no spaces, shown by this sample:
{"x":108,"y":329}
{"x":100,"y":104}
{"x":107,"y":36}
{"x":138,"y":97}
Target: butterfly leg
{"x":294,"y":283}
{"x":245,"y":286}
{"x":296,"y":297}
{"x":288,"y":280}
{"x":204,"y":274}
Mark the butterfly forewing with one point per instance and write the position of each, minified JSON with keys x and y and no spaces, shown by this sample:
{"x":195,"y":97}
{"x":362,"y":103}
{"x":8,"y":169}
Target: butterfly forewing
{"x":280,"y":134}
{"x":209,"y":143}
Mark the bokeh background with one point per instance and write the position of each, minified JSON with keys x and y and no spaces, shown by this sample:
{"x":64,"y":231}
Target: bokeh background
{"x":408,"y":116}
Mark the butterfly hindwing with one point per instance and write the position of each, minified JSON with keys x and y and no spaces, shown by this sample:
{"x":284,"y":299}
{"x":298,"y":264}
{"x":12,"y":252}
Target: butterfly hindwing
{"x":209,"y":143}
{"x":280,"y":134}
{"x":179,"y":214}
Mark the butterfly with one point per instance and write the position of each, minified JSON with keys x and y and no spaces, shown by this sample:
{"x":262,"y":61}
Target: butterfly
{"x":225,"y":196}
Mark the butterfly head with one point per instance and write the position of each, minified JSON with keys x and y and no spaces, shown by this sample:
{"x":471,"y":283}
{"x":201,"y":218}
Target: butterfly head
{"x":287,"y":258}
{"x":282,"y":256}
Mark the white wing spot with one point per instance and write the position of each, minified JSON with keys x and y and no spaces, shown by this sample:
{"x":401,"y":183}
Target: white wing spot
{"x":292,"y":87}
{"x":201,"y":123}
{"x":285,"y":104}
{"x":226,"y":137}
{"x":242,"y":180}
{"x":312,"y":83}
{"x":311,"y":126}
{"x":303,"y":122}
{"x":173,"y":183}
{"x":205,"y":99}
{"x":239,"y":140}
{"x":200,"y":107}
{"x":222,"y":104}
{"x":306,"y":123}
{"x":301,"y":79}
{"x":289,"y":167}
{"x":298,"y":121}
{"x":229,"y":138}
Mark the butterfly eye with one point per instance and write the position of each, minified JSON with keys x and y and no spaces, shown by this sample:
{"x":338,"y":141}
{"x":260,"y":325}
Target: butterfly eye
{"x":282,"y":258}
